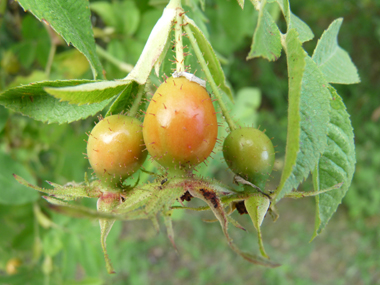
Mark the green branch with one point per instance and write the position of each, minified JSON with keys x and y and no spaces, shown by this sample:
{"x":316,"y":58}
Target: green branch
{"x":180,"y":59}
{"x":126,"y":67}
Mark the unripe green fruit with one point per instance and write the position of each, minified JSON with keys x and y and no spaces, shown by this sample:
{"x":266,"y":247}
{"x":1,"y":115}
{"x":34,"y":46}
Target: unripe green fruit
{"x":250,"y":154}
{"x":115,"y":149}
{"x":180,"y":125}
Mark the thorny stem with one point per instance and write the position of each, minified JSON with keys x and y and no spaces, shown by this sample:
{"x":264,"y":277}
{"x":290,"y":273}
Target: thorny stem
{"x":180,"y":60}
{"x":136,"y":103}
{"x":209,"y":77}
{"x":126,"y":67}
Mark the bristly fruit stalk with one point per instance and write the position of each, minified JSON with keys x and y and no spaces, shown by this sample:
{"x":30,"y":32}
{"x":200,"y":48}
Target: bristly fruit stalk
{"x":180,"y":59}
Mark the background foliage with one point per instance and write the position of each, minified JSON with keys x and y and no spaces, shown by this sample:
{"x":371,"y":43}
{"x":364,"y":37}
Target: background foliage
{"x":60,"y":250}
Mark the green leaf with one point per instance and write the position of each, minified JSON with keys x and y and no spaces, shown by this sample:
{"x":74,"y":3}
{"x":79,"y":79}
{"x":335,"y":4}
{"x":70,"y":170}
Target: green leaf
{"x":32,"y":101}
{"x":337,"y":163}
{"x":11,"y":192}
{"x":308,"y":116}
{"x":88,"y":93}
{"x":266,"y":40}
{"x":154,"y":47}
{"x":293,"y":22}
{"x":72,"y":20}
{"x":335,"y":62}
{"x":210,"y":57}
{"x":125,"y":99}
{"x":304,"y":31}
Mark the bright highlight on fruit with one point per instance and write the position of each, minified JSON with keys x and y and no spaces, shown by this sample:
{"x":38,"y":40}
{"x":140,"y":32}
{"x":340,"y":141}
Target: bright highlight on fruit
{"x":250,"y":154}
{"x":180,"y":126}
{"x":115,"y":149}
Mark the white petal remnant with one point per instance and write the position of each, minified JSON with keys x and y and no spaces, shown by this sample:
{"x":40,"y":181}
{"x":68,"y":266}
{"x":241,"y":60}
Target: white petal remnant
{"x":190,"y":77}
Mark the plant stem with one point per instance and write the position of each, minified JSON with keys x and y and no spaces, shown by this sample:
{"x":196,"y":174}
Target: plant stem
{"x":209,"y":77}
{"x":261,"y":244}
{"x":119,"y":64}
{"x":49,"y":63}
{"x":180,"y":60}
{"x":136,"y":103}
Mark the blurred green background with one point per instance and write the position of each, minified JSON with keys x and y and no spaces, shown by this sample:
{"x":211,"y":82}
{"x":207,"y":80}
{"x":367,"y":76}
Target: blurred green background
{"x":48,"y":248}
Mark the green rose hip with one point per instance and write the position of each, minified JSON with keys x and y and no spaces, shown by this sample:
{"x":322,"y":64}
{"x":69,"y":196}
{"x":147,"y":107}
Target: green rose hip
{"x":250,"y":154}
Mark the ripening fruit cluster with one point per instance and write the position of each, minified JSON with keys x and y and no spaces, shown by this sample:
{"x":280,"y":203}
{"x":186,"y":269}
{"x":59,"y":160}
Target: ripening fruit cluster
{"x":179,"y":131}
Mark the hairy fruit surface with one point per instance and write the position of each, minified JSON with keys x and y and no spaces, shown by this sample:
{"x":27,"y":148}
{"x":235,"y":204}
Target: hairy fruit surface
{"x":250,"y":154}
{"x":115,"y":148}
{"x":180,"y":127}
